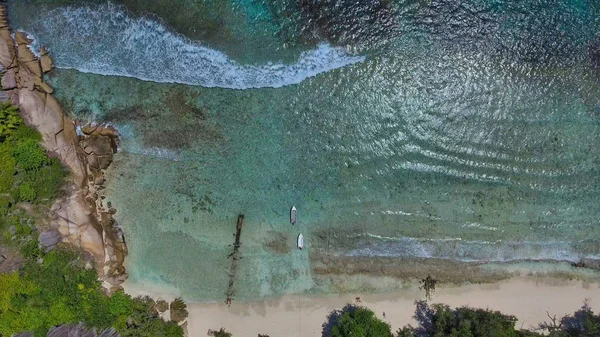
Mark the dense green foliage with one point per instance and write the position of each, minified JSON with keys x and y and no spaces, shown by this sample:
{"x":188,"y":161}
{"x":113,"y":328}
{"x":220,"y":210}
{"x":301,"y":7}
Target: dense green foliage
{"x":53,"y":288}
{"x":584,"y":323}
{"x":26,"y":172}
{"x":440,"y":320}
{"x":60,"y":290}
{"x":357,"y":321}
{"x":468,"y":322}
{"x":9,"y":119}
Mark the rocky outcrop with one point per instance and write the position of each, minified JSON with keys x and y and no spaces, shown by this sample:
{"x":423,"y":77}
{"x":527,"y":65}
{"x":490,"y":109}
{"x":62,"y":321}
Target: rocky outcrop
{"x":49,"y":239}
{"x":80,"y":218}
{"x":162,"y":306}
{"x":79,"y":331}
{"x":69,"y":330}
{"x":178,"y":311}
{"x":7,"y":45}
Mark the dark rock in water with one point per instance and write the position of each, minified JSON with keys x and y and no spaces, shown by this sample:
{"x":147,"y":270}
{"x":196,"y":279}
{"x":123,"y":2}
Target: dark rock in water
{"x":49,"y":239}
{"x":98,"y":145}
{"x":594,"y":52}
{"x":100,"y":151}
{"x":278,"y":243}
{"x":587,"y":263}
{"x":348,"y":21}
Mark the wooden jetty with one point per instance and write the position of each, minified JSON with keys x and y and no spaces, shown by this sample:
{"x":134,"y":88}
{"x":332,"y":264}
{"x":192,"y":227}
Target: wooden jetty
{"x":235,"y":257}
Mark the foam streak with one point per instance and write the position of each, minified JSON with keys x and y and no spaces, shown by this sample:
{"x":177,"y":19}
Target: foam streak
{"x":106,"y":40}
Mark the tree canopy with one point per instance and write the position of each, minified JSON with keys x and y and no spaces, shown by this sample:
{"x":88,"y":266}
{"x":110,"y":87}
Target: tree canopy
{"x":356,"y":321}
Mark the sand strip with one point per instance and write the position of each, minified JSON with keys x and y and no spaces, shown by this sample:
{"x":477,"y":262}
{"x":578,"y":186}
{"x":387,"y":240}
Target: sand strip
{"x":303,"y":315}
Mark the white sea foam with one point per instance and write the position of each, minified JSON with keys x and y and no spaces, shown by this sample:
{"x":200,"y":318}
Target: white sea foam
{"x":132,"y":145}
{"x":470,"y":250}
{"x":106,"y":40}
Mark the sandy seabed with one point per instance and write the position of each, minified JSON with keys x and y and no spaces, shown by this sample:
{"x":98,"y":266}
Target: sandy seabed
{"x":529,"y":299}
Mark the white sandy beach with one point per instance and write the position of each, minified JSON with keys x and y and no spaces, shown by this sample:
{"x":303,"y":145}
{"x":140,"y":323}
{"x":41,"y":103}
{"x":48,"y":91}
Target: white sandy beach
{"x":302,"y":315}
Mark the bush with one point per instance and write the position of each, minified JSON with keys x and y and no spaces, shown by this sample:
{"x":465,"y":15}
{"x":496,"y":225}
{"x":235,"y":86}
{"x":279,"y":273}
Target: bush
{"x":7,"y":168}
{"x":29,"y":155}
{"x":26,"y":192}
{"x":9,"y":119}
{"x":144,"y":322}
{"x":24,"y":161}
{"x":219,"y":333}
{"x":60,"y":290}
{"x":23,"y":132}
{"x":54,"y":288}
{"x":31,"y":250}
{"x":5,"y":206}
{"x":355,"y":321}
{"x":440,"y":320}
{"x":47,"y":180}
{"x":583,"y":323}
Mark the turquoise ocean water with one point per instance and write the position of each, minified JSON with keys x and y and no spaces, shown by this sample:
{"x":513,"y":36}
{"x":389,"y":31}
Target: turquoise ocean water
{"x":398,"y":128}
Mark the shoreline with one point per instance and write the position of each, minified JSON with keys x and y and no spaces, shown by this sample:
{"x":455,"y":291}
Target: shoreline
{"x":527,"y":298}
{"x":79,"y":217}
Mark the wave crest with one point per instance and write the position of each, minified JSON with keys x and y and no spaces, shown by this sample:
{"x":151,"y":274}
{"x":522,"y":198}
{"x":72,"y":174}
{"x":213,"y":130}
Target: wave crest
{"x":106,"y":40}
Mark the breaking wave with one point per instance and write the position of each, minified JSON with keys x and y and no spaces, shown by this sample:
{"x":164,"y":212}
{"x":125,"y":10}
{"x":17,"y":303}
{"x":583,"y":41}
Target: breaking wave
{"x":106,"y":40}
{"x":473,"y":250}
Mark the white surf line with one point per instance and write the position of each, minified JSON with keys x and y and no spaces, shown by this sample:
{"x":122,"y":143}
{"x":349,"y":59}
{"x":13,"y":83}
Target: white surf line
{"x":106,"y":40}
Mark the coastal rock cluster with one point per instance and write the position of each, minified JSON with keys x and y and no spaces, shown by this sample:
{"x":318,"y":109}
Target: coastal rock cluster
{"x":81,"y":217}
{"x":71,"y":330}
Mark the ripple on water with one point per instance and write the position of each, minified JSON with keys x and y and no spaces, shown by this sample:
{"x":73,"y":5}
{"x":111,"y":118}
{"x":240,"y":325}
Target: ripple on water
{"x":475,"y":144}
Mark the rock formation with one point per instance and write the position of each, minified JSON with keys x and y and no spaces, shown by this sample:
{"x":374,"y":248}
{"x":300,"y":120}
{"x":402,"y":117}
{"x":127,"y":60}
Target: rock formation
{"x":162,"y":306}
{"x":49,"y":239}
{"x":79,"y":331}
{"x":80,"y":218}
{"x":178,"y":310}
{"x":70,"y":330}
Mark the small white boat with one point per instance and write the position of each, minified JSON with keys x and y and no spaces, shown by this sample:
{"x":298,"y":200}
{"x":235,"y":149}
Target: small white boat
{"x":300,"y":241}
{"x":293,"y":213}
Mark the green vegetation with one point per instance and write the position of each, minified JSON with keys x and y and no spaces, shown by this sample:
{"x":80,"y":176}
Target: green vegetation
{"x":9,"y":119}
{"x":584,"y":323}
{"x":355,"y":321}
{"x":53,"y":288}
{"x":26,"y":172}
{"x":61,"y":290}
{"x":440,"y":320}
{"x":219,"y":333}
{"x":428,"y":284}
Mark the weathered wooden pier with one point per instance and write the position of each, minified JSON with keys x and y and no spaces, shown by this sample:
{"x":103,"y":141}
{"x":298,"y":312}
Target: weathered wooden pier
{"x":235,"y":257}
